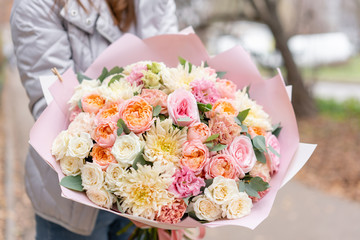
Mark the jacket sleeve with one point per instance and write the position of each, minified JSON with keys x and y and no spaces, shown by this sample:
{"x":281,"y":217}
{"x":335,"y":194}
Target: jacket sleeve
{"x":40,"y":43}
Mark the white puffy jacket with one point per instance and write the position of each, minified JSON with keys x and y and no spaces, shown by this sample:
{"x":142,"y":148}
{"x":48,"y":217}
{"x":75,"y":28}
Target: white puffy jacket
{"x":47,"y":36}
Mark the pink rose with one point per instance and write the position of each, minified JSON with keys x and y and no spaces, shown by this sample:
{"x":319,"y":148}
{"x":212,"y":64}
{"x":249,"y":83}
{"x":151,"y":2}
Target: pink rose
{"x":182,"y":105}
{"x":185,"y":183}
{"x":226,"y":127}
{"x":109,"y":113}
{"x":199,"y":131}
{"x":195,"y":155}
{"x":242,"y":151}
{"x":172,"y":213}
{"x":105,"y":134}
{"x":272,"y":160}
{"x":226,"y":88}
{"x":223,"y":165}
{"x":204,"y":91}
{"x":92,"y":102}
{"x":155,"y":97}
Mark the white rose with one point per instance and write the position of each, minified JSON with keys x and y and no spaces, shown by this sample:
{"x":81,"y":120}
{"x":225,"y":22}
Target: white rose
{"x":92,"y":176}
{"x":71,"y":166}
{"x":83,"y":122}
{"x":60,"y":145}
{"x":80,"y":145}
{"x":113,"y":176}
{"x":239,"y":206}
{"x":205,"y":209}
{"x":126,"y":148}
{"x":100,"y":197}
{"x":221,"y":190}
{"x":86,"y":86}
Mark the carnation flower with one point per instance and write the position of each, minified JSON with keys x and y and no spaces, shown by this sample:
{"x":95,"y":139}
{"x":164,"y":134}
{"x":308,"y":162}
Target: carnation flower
{"x":126,"y":148}
{"x":206,"y":209}
{"x":83,"y":122}
{"x":226,"y":127}
{"x":100,"y":197}
{"x":71,"y":166}
{"x":221,"y":190}
{"x":92,"y":176}
{"x":164,"y":143}
{"x":186,"y":183}
{"x":204,"y":91}
{"x":172,"y":213}
{"x":239,"y":206}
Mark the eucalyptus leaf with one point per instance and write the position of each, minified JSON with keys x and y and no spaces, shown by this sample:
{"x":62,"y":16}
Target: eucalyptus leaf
{"x":218,"y":147}
{"x":156,"y":110}
{"x":121,"y":123}
{"x":139,"y":160}
{"x":184,"y":119}
{"x":80,"y":105}
{"x":248,"y":90}
{"x":206,"y":64}
{"x":260,"y":156}
{"x":72,"y":182}
{"x":243,"y":114}
{"x":237,"y":121}
{"x":209,"y":144}
{"x":212,"y":137}
{"x":120,"y":130}
{"x":81,"y":77}
{"x":259,"y":143}
{"x":251,"y":192}
{"x":258,"y":184}
{"x":115,"y":70}
{"x":220,"y":74}
{"x":103,"y":75}
{"x":241,"y":186}
{"x":204,"y":107}
{"x":277,"y":129}
{"x":244,"y":129}
{"x":274,"y":151}
{"x":208,"y":182}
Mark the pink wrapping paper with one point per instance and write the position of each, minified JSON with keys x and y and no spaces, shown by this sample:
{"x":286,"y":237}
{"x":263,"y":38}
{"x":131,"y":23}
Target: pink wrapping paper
{"x":167,"y":48}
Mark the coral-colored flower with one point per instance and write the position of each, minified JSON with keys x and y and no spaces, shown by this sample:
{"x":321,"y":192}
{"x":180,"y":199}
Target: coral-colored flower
{"x":223,"y":165}
{"x":256,"y":131}
{"x":185,"y":183}
{"x":172,"y":213}
{"x":155,"y":97}
{"x":226,"y":127}
{"x":204,"y":91}
{"x":92,"y":103}
{"x":102,"y":156}
{"x":226,"y":88}
{"x":137,"y":114}
{"x":109,"y":113}
{"x":195,"y":156}
{"x":198,"y":131}
{"x":105,"y":134}
{"x":223,"y":107}
{"x":272,"y":160}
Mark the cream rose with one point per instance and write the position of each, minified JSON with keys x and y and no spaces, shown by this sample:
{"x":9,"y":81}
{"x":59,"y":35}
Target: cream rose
{"x":126,"y":148}
{"x":113,"y":176}
{"x":71,"y":166}
{"x":100,"y":197}
{"x":239,"y":206}
{"x":205,"y":209}
{"x":80,"y":145}
{"x":221,"y":190}
{"x":60,"y":145}
{"x":92,"y":176}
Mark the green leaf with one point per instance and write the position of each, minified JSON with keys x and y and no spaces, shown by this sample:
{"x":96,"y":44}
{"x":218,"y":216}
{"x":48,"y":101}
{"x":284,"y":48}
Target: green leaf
{"x":244,"y":129}
{"x":220,"y":74}
{"x":251,"y":192}
{"x":121,"y":123}
{"x":204,"y":107}
{"x":124,"y":229}
{"x":208,"y":182}
{"x":243,"y":114}
{"x":212,"y":137}
{"x":80,"y":105}
{"x":277,"y":129}
{"x":81,"y":77}
{"x":115,"y":78}
{"x":139,"y":160}
{"x":247,"y":90}
{"x":259,"y":143}
{"x":218,"y":147}
{"x":184,"y":119}
{"x":241,"y":186}
{"x":156,"y":110}
{"x":103,"y":75}
{"x":209,"y":144}
{"x":206,"y":64}
{"x":260,"y":156}
{"x":73,"y":183}
{"x":120,"y":130}
{"x":162,"y":117}
{"x":258,"y":184}
{"x":274,"y":151}
{"x":115,"y":70}
{"x":182,"y":61}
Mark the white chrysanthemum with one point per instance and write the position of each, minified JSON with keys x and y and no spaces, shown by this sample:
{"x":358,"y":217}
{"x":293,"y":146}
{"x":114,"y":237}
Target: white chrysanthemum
{"x":144,"y":191}
{"x":164,"y":143}
{"x":60,"y":145}
{"x":86,"y":86}
{"x":179,"y":77}
{"x":92,"y":176}
{"x":83,"y":122}
{"x":80,"y":145}
{"x":221,"y":190}
{"x":71,"y":166}
{"x":257,"y":117}
{"x":126,"y":148}
{"x":100,"y":197}
{"x":239,"y":206}
{"x":120,"y":89}
{"x":113,"y":176}
{"x":206,"y":209}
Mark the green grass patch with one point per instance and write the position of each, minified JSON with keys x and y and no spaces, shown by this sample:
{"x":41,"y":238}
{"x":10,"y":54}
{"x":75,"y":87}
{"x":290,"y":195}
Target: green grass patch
{"x":339,"y":110}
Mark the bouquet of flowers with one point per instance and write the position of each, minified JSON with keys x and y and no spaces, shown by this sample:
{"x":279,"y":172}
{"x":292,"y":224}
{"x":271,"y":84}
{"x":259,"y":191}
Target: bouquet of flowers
{"x":169,"y":142}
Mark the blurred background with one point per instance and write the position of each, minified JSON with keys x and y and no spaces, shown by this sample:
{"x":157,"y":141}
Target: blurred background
{"x":316,"y":45}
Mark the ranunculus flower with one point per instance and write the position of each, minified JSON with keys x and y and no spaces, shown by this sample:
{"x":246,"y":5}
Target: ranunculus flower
{"x":109,"y":113}
{"x":204,"y":91}
{"x":198,"y":131}
{"x":242,"y":151}
{"x":126,"y":148}
{"x":100,"y":197}
{"x":60,"y":145}
{"x":92,"y":103}
{"x":155,"y":97}
{"x":256,"y":131}
{"x":223,"y":107}
{"x":221,"y":190}
{"x":272,"y":160}
{"x":83,"y":122}
{"x":105,"y":134}
{"x":172,"y":213}
{"x":137,"y":114}
{"x":195,"y":155}
{"x":182,"y":105}
{"x":80,"y":146}
{"x":185,"y":183}
{"x":226,"y":127}
{"x":223,"y":165}
{"x":226,"y":88}
{"x":70,"y":166}
{"x":239,"y":206}
{"x":92,"y":176}
{"x":206,"y":209}
{"x":102,"y":156}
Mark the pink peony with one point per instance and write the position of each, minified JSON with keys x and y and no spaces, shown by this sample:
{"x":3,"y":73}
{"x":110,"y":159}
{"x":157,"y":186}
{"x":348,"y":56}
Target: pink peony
{"x":204,"y":91}
{"x":105,"y":134}
{"x":185,"y":183}
{"x":223,"y":165}
{"x":155,"y":97}
{"x":199,"y":131}
{"x":195,"y":155}
{"x":172,"y":213}
{"x":242,"y":151}
{"x":226,"y":88}
{"x":182,"y":105}
{"x":272,"y":160}
{"x":226,"y":127}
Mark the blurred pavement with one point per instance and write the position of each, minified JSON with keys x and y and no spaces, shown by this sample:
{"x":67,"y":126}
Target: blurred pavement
{"x":337,"y":91}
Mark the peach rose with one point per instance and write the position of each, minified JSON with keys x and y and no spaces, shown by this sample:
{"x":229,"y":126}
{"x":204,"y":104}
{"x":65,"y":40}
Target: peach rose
{"x":256,"y":131}
{"x":182,"y":105}
{"x":199,"y":131}
{"x":242,"y":151}
{"x":195,"y":155}
{"x":137,"y":114}
{"x":226,"y":88}
{"x":223,"y":107}
{"x":92,"y":103}
{"x":109,"y":113}
{"x":223,"y":165}
{"x":102,"y":156}
{"x":155,"y":97}
{"x":272,"y":160}
{"x":105,"y":134}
